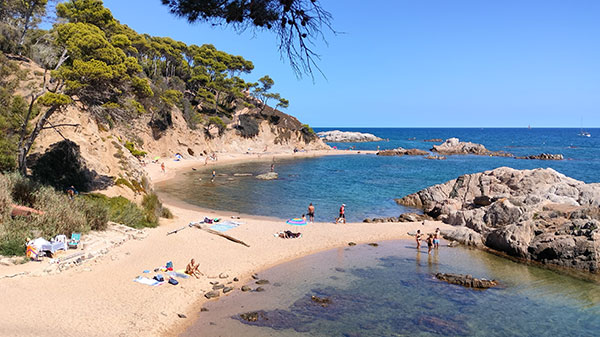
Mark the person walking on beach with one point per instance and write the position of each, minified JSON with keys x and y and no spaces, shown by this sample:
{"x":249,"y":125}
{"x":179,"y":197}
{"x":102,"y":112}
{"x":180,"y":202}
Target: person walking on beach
{"x":162,"y":167}
{"x":311,"y":213}
{"x":342,"y":217}
{"x":429,"y":243}
{"x":418,"y":238}
{"x":436,"y":238}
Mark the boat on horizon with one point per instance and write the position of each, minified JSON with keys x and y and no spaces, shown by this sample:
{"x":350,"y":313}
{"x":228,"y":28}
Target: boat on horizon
{"x":584,"y":134}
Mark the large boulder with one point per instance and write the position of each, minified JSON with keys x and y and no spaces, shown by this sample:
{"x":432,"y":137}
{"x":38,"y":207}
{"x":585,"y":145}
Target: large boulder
{"x":338,"y":136}
{"x":538,"y":215}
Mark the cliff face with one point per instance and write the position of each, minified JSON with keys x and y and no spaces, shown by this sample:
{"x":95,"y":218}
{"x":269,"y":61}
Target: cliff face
{"x":102,"y":146}
{"x":539,"y":215}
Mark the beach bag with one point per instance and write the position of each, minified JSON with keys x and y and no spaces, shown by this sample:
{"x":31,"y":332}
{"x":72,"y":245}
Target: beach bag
{"x":173,"y":281}
{"x":159,"y":278}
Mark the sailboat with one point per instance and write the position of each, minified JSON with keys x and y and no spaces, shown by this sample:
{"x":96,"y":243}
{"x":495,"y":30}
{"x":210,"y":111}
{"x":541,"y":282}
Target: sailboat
{"x":584,"y":133}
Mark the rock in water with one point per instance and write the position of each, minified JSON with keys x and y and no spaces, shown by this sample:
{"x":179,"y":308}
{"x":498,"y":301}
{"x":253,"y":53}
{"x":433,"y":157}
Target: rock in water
{"x":402,"y":152}
{"x":268,"y":176}
{"x":466,"y":281}
{"x":455,"y":146}
{"x":262,"y":282}
{"x":322,"y":301}
{"x":338,"y":136}
{"x":544,"y":156}
{"x":246,"y":288}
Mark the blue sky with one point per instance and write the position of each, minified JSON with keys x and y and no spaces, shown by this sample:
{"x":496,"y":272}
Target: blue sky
{"x":425,"y":63}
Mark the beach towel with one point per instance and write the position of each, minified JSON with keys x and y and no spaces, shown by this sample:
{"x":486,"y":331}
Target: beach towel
{"x":178,"y":274}
{"x":147,"y":281}
{"x":225,"y":226}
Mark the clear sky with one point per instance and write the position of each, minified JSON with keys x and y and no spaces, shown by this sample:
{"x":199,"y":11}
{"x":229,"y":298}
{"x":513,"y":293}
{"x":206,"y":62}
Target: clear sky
{"x":425,"y":63}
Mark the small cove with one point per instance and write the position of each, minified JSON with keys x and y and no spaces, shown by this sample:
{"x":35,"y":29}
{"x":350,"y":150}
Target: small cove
{"x":390,"y":291}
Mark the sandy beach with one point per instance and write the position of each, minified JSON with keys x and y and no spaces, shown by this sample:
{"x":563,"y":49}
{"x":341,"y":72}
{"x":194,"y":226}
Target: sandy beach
{"x":99,"y":298}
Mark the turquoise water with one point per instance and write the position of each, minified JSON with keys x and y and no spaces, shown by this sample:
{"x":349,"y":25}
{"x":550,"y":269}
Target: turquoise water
{"x":390,"y":291}
{"x":368,"y":184}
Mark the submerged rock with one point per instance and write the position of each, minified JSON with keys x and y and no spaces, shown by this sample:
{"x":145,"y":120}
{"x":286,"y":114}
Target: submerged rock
{"x":262,"y":282}
{"x":322,"y":301}
{"x":466,"y":281}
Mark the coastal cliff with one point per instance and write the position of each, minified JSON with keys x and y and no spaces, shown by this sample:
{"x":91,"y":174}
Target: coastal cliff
{"x":538,"y":215}
{"x":112,"y":151}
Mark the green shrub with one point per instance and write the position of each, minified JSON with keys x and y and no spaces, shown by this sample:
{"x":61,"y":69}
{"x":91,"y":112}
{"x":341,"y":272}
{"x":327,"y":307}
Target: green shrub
{"x":308,"y":129}
{"x":216,"y":120}
{"x":154,"y":208}
{"x":131,"y":147}
{"x":123,"y":211}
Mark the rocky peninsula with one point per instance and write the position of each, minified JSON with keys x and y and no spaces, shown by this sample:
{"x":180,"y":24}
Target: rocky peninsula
{"x":536,"y":215}
{"x":338,"y":136}
{"x":455,"y":146}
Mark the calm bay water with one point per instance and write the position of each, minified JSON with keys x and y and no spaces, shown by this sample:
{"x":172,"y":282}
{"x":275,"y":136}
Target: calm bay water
{"x":368,"y":184}
{"x":390,"y":291}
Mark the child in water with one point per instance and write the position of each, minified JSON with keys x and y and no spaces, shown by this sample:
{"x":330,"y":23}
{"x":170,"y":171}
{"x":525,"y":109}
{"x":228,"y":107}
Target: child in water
{"x":429,"y":243}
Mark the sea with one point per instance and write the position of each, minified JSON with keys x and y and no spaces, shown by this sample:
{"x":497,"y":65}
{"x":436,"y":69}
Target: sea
{"x":390,"y":289}
{"x":368,"y":184}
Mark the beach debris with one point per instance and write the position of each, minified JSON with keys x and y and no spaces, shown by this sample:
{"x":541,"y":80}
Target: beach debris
{"x":351,"y":243}
{"x":262,"y":281}
{"x":181,"y":316}
{"x":179,"y":229}
{"x":246,"y":288}
{"x":259,"y":289}
{"x":322,"y":301}
{"x":466,"y":281}
{"x":212,"y":294}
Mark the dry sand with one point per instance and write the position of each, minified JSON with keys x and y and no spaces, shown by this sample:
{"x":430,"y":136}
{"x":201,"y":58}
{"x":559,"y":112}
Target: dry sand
{"x":99,"y":298}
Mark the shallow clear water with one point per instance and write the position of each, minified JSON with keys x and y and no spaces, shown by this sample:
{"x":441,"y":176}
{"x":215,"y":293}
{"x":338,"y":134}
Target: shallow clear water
{"x":368,"y":184}
{"x":390,"y":291}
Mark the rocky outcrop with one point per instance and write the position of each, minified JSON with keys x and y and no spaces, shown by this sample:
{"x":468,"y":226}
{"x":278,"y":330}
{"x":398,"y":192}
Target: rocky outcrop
{"x":466,"y":281}
{"x":433,"y":140}
{"x":338,"y":136}
{"x":405,"y":217}
{"x":543,"y":156}
{"x":455,"y":146}
{"x":538,"y":215}
{"x":268,"y":176}
{"x":402,"y":152}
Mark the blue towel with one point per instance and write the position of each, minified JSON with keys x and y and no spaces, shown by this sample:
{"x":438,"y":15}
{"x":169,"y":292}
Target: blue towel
{"x":222,"y":227}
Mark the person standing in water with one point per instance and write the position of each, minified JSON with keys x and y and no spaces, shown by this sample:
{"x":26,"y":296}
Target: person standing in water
{"x":213,"y":175}
{"x":273,"y":167}
{"x":436,"y":238}
{"x":311,"y":213}
{"x":342,"y":216}
{"x":418,"y":238}
{"x":429,"y":243}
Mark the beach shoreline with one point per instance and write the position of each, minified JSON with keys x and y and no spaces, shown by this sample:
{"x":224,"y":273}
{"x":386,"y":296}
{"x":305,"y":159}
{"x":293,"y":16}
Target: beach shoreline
{"x":122,"y":307}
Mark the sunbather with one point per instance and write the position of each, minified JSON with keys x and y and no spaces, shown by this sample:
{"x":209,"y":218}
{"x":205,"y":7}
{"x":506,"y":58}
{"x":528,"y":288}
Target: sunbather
{"x":192,"y":269}
{"x":288,"y":235}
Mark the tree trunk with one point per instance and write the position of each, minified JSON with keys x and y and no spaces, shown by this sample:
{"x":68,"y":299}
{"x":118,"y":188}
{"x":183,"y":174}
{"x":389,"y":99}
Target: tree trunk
{"x":25,"y":147}
{"x":27,"y":18}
